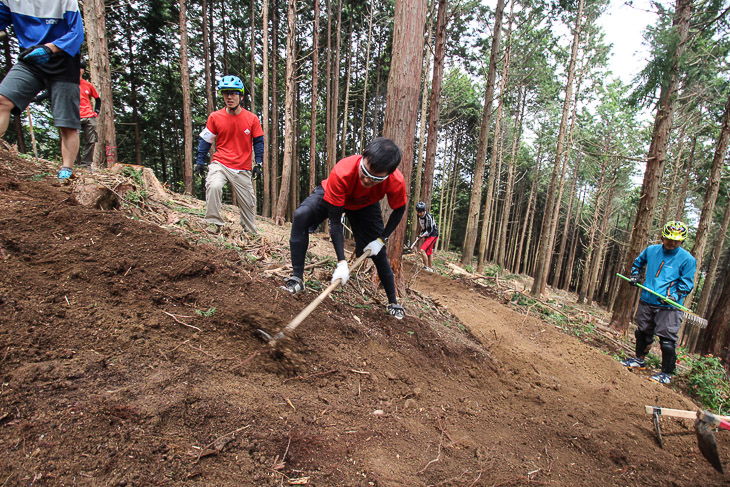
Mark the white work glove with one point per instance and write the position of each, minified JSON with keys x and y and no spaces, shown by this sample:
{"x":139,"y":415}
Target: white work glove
{"x":374,"y":247}
{"x":341,"y":272}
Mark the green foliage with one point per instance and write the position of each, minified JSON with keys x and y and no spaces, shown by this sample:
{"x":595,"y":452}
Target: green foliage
{"x":185,"y":209}
{"x":139,"y":195}
{"x":708,"y":382}
{"x":206,"y":314}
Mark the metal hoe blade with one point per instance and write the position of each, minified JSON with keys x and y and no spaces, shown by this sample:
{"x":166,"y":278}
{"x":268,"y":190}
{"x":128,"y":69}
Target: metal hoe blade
{"x":658,"y":428}
{"x":707,"y":443}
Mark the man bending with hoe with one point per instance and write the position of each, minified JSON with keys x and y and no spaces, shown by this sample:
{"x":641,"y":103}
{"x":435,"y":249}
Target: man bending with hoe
{"x":670,"y":272}
{"x":354,"y":187}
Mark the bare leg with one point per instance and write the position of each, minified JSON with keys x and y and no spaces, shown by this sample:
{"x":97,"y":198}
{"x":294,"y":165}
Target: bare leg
{"x":5,"y":107}
{"x":424,"y":257}
{"x":69,"y":145}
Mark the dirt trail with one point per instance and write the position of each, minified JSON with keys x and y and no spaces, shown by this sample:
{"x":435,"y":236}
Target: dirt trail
{"x":128,"y":357}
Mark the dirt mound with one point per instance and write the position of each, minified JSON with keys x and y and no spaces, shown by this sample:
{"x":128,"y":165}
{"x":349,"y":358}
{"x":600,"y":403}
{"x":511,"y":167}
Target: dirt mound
{"x":129,"y":356}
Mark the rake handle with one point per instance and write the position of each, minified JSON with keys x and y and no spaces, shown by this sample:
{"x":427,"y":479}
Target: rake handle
{"x":664,"y":298}
{"x":318,"y":300}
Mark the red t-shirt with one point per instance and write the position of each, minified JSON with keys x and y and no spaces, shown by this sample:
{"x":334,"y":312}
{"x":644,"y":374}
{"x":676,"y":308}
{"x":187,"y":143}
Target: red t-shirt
{"x":88,"y":92}
{"x":234,"y":136}
{"x":343,"y":187}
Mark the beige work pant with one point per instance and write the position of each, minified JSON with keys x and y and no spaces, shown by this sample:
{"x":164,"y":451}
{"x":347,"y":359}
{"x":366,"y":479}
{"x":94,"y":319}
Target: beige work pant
{"x":241,"y":185}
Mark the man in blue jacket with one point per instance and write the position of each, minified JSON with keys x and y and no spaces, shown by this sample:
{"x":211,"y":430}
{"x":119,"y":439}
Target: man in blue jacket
{"x":50,"y":34}
{"x":670,"y":271}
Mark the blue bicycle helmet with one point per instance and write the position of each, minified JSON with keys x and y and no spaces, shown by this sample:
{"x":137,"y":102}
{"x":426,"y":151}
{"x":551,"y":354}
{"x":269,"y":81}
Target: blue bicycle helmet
{"x":231,"y":83}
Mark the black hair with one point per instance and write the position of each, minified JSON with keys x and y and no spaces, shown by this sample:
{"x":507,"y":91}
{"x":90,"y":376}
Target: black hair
{"x":82,"y":64}
{"x":383,"y":154}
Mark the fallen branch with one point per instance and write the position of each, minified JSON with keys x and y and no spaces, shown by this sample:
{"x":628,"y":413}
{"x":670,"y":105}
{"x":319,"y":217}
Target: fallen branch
{"x":203,"y":450}
{"x":181,"y":322}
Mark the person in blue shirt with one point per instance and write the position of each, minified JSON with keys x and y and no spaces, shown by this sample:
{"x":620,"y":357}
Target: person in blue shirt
{"x":50,"y":34}
{"x":670,"y":271}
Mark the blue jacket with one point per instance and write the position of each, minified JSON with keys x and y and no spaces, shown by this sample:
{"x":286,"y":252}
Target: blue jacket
{"x":42,"y":21}
{"x":667,"y":272}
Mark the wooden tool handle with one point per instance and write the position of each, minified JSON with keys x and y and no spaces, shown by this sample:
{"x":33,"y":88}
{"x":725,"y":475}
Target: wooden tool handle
{"x":677,"y":413}
{"x":311,"y":306}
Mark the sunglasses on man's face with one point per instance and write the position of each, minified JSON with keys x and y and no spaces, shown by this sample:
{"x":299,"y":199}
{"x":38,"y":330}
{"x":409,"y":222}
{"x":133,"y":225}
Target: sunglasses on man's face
{"x":230,"y":92}
{"x":366,"y":173}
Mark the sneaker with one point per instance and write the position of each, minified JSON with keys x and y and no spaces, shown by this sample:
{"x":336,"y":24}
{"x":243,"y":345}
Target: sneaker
{"x":428,"y":269}
{"x":634,"y":363}
{"x":65,"y":173}
{"x":293,"y":285}
{"x":661,"y":378}
{"x":396,"y":311}
{"x":214,"y":229}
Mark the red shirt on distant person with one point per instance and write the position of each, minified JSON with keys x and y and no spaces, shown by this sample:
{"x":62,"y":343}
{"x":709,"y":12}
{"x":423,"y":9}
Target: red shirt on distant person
{"x":343,"y":187}
{"x":231,"y":149}
{"x":88,"y":92}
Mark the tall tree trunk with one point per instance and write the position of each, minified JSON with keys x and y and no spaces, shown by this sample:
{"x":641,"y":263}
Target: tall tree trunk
{"x":566,"y":229}
{"x":346,"y":108}
{"x":654,"y":166}
{"x":210,"y":104}
{"x":211,"y":42}
{"x":330,"y":95}
{"x":434,"y":111}
{"x":602,"y":239}
{"x":669,"y":193}
{"x":688,"y":165}
{"x":418,"y":185}
{"x":715,"y":339}
{"x":187,"y":109}
{"x":335,"y":99}
{"x":95,"y":23}
{"x":714,"y":262}
{"x":133,"y":88}
{"x":289,"y":130}
{"x":529,"y":214}
{"x":274,"y":127}
{"x":708,"y":206}
{"x":266,"y":210}
{"x":507,"y":205}
{"x":252,"y":96}
{"x":367,"y":77}
{"x":401,"y":111}
{"x":545,"y":251}
{"x":574,"y":242}
{"x":472,"y":222}
{"x":315,"y":90}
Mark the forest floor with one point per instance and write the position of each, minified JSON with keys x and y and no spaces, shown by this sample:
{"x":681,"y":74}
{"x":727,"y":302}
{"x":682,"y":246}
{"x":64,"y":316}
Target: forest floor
{"x":129,"y":356}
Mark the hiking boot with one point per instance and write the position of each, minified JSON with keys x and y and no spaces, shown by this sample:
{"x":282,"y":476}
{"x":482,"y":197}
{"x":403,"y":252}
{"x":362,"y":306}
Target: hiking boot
{"x":65,"y":173}
{"x":661,"y":378}
{"x":634,"y":363}
{"x":396,"y":311}
{"x":427,"y":269}
{"x":293,"y":285}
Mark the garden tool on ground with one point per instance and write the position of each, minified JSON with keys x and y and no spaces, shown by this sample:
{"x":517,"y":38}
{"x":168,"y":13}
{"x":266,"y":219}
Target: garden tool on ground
{"x":289,"y":329}
{"x":408,"y":249}
{"x":705,"y":422}
{"x":688,"y":315}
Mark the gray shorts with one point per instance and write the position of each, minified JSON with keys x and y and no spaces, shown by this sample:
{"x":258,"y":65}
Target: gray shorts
{"x":21,"y":85}
{"x":662,"y":322}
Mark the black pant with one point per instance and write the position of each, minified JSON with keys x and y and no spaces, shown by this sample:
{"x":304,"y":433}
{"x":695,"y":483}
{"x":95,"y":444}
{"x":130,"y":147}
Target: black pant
{"x":367,"y":225}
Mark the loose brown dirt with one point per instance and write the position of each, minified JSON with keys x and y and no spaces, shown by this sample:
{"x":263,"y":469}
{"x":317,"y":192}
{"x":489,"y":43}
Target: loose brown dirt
{"x":116,"y":370}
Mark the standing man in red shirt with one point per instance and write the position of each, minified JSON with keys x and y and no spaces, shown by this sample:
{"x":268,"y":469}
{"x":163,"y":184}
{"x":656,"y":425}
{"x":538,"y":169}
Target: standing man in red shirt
{"x":88,"y":119}
{"x":354,"y":187}
{"x":236,"y":132}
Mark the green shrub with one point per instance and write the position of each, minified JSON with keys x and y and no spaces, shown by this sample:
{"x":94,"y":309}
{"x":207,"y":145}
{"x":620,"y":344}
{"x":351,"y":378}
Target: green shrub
{"x":708,"y":383}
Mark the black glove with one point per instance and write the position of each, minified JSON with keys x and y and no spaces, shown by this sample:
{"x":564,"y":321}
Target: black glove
{"x":200,"y":170}
{"x":256,"y":172}
{"x":36,"y":55}
{"x":672,"y":297}
{"x":634,"y":281}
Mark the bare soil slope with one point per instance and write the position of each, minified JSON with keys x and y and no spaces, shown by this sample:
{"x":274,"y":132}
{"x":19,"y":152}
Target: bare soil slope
{"x":115,"y":371}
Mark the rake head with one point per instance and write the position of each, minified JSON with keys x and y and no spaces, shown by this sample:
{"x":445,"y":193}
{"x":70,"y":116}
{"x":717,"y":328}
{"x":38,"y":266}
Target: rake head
{"x":695,"y":320}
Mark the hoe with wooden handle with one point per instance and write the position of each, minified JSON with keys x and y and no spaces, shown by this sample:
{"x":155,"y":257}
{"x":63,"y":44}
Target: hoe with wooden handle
{"x":289,"y":329}
{"x":705,"y":422}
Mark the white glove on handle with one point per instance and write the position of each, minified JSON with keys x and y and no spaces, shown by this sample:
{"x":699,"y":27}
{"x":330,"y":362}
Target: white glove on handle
{"x":341,"y":272}
{"x":374,"y":247}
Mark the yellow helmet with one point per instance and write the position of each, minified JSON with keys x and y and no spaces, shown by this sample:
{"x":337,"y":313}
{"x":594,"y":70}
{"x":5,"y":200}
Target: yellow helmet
{"x":674,"y":230}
